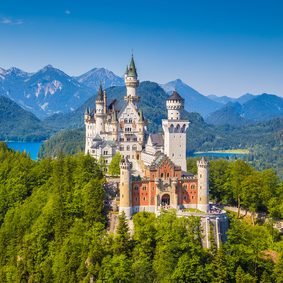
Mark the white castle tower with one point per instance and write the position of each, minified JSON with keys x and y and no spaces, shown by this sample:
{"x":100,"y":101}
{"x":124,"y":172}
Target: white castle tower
{"x":131,"y":81}
{"x":125,"y":187}
{"x":95,"y":120}
{"x":100,"y":114}
{"x":203,"y":185}
{"x":175,"y":131}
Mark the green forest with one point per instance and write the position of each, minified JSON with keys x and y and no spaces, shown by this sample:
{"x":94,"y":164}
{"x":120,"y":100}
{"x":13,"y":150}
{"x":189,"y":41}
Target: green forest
{"x":54,"y":227}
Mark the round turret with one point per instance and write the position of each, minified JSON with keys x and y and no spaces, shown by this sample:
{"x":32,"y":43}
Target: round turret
{"x":125,"y":187}
{"x":100,"y":123}
{"x":203,"y":185}
{"x":174,"y":105}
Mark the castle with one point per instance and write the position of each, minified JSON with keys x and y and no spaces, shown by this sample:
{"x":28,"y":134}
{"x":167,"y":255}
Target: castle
{"x":153,"y":167}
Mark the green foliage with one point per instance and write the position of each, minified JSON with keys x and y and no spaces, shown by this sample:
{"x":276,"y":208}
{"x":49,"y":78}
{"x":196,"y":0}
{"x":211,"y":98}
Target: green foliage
{"x":64,"y":142}
{"x":114,"y":166}
{"x":54,"y":229}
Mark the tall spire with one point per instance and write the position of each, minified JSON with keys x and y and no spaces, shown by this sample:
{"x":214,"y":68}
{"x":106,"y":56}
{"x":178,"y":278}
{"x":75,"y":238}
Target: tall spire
{"x":99,"y":93}
{"x":132,"y":71}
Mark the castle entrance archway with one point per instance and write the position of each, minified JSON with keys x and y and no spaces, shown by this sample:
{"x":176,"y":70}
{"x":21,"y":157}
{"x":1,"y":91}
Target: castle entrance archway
{"x":165,"y":200}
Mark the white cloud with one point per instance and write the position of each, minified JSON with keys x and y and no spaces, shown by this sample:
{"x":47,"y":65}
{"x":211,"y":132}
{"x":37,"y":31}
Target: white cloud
{"x":67,"y":12}
{"x":10,"y":21}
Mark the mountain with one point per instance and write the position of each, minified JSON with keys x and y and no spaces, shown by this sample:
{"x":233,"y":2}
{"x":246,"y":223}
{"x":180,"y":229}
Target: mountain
{"x":19,"y":124}
{"x":225,"y":99}
{"x":230,"y":114}
{"x":245,"y":98}
{"x":221,"y":99}
{"x":93,"y":77}
{"x":263,"y":107}
{"x":194,"y":101}
{"x":45,"y":92}
{"x":260,"y":108}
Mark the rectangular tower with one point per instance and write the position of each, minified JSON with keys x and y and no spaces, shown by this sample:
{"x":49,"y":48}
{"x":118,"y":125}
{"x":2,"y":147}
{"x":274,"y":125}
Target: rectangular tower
{"x":175,"y":131}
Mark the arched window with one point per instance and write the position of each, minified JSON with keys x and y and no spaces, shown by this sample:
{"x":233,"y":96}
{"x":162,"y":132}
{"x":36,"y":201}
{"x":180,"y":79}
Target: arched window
{"x":134,"y":147}
{"x":193,"y":187}
{"x":185,"y":187}
{"x":128,"y":148}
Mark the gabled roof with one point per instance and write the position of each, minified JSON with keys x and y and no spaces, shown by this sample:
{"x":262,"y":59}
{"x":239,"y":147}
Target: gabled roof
{"x":157,"y":139}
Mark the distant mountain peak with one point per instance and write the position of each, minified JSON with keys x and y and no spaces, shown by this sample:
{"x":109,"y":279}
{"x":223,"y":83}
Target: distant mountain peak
{"x":194,"y":101}
{"x":93,"y":77}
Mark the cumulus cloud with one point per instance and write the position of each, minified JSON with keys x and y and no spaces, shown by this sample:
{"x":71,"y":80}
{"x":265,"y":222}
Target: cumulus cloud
{"x":10,"y":21}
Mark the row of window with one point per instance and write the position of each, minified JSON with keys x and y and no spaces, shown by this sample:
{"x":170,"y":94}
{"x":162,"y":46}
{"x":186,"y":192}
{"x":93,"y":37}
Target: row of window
{"x":128,"y":139}
{"x":128,"y":147}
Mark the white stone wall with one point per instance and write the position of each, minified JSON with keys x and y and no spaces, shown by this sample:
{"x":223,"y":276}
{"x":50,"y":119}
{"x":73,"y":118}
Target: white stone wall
{"x":203,"y":188}
{"x":175,"y":141}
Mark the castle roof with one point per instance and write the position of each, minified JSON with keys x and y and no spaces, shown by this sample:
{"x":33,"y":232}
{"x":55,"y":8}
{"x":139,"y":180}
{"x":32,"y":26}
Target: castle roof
{"x":132,"y":71}
{"x":157,"y":139}
{"x":99,"y":93}
{"x":175,"y":96}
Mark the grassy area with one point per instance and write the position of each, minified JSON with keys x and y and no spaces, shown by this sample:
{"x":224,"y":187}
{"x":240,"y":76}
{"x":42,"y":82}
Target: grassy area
{"x":229,"y":151}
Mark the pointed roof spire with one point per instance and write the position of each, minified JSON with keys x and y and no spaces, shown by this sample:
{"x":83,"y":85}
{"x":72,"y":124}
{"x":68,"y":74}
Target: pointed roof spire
{"x":141,"y":116}
{"x":100,"y":92}
{"x":132,"y":71}
{"x":127,"y":69}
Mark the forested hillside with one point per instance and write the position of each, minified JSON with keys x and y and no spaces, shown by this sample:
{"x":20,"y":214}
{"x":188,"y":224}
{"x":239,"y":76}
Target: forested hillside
{"x":53,"y":228}
{"x":19,"y":124}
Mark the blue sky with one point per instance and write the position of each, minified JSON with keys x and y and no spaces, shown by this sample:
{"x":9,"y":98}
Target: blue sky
{"x":222,"y":47}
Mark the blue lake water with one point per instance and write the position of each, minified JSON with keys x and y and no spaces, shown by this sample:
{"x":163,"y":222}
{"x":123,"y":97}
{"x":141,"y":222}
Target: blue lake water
{"x":32,"y":148}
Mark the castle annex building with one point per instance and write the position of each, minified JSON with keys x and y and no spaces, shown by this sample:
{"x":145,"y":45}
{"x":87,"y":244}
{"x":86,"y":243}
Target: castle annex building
{"x":153,"y":167}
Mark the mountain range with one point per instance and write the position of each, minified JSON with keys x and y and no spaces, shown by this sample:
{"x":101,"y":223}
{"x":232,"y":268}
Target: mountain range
{"x":256,"y":109}
{"x":50,"y":92}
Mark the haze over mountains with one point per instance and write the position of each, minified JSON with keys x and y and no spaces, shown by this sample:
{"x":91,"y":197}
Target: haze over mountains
{"x":50,"y":92}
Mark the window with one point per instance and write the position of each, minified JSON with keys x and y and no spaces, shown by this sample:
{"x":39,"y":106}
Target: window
{"x":134,"y":147}
{"x":161,"y":175}
{"x":121,"y":148}
{"x":144,"y":198}
{"x":193,"y":187}
{"x":185,"y":197}
{"x":144,"y":188}
{"x":136,"y":188}
{"x":167,"y":175}
{"x":128,"y":147}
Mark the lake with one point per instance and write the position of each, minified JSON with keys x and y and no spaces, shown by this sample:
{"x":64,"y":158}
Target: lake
{"x":32,"y":148}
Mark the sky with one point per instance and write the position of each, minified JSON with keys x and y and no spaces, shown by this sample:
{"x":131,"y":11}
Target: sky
{"x":221,"y":47}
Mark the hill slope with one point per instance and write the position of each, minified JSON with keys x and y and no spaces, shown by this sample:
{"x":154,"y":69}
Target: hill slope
{"x":19,"y":124}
